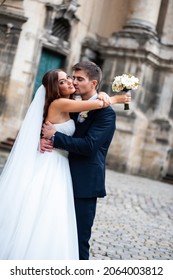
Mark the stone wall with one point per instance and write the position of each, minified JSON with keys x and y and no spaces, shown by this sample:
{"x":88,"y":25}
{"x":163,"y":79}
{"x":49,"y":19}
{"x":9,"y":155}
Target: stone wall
{"x":10,"y":28}
{"x":145,"y":144}
{"x":122,"y":37}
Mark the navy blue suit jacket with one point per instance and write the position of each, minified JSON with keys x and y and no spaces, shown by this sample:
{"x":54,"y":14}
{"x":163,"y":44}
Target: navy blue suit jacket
{"x":87,"y":151}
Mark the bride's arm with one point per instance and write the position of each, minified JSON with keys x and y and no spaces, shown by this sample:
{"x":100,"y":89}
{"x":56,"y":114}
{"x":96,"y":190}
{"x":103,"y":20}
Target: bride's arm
{"x":121,"y":98}
{"x":116,"y":99}
{"x":70,"y":105}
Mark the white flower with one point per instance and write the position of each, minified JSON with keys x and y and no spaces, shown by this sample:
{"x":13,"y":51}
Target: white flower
{"x":125,"y":82}
{"x":84,"y":114}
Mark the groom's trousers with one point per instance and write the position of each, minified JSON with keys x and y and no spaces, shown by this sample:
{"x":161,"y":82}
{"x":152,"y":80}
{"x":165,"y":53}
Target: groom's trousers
{"x":85,"y":213}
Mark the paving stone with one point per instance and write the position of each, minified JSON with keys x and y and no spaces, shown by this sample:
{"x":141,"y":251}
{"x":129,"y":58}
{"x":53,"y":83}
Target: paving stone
{"x":134,"y":220}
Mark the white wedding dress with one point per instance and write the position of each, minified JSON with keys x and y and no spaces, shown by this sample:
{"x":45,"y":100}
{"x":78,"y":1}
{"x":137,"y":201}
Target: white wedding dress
{"x":37,"y":219}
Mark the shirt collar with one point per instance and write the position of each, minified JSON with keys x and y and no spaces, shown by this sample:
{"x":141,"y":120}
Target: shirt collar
{"x":93,"y":97}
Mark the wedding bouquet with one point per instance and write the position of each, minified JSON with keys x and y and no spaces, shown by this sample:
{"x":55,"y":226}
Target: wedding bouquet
{"x":125,"y":83}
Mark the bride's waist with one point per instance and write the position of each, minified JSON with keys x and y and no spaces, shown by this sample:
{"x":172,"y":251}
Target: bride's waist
{"x":61,"y":152}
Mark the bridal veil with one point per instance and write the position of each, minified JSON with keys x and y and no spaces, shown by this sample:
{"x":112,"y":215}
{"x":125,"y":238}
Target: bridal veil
{"x":20,"y":163}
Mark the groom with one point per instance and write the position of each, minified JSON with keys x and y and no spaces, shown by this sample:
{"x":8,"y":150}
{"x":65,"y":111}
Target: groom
{"x":87,"y":151}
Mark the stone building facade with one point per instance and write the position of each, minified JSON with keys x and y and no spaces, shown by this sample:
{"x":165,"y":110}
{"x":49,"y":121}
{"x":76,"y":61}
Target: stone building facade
{"x":126,"y":36}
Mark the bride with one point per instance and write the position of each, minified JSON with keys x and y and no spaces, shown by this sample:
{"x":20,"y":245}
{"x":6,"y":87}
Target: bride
{"x":37,"y":216}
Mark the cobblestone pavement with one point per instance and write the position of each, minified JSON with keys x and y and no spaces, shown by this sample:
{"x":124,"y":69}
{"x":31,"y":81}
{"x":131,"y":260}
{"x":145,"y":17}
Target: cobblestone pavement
{"x":134,"y":220}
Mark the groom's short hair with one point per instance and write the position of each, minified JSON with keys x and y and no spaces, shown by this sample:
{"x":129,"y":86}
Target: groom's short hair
{"x":92,"y":70}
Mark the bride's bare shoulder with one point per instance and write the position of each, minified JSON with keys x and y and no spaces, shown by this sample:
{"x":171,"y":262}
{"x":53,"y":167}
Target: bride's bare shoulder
{"x":59,"y":102}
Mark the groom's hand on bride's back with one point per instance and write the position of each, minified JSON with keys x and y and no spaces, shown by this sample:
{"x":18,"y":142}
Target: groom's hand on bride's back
{"x":46,"y":144}
{"x":48,"y":130}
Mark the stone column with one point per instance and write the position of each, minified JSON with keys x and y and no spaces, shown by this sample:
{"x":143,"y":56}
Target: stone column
{"x":11,"y":22}
{"x":143,"y":14}
{"x":167,"y":34}
{"x":165,"y":101}
{"x":137,"y":143}
{"x":10,"y":28}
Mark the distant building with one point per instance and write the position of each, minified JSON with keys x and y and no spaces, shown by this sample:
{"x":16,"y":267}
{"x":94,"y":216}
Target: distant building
{"x":129,"y":36}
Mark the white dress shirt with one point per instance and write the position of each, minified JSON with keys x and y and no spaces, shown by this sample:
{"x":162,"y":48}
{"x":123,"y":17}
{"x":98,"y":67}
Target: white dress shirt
{"x":82,"y":119}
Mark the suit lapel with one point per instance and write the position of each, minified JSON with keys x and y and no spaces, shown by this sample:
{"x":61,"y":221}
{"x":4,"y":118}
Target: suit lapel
{"x":82,"y":128}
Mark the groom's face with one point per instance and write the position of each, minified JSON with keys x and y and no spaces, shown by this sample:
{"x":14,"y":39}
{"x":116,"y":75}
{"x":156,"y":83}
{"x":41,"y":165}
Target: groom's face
{"x":82,"y":83}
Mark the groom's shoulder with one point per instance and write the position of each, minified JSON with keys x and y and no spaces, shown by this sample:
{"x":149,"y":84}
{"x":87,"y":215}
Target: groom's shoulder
{"x":106,"y":110}
{"x":105,"y":114}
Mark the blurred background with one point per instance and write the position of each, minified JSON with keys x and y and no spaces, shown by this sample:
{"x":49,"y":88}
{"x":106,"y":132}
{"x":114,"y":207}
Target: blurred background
{"x":121,"y":36}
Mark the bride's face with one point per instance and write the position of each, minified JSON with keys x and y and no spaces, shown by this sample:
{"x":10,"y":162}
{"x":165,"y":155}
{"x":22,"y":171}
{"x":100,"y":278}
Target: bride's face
{"x":65,"y":84}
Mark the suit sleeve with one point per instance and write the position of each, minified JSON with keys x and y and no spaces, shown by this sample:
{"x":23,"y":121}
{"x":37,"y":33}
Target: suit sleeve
{"x":101,"y":129}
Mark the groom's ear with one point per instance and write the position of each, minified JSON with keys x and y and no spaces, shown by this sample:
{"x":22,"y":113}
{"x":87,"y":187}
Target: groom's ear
{"x":94,"y":83}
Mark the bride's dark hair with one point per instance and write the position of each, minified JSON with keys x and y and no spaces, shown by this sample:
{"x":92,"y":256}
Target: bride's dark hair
{"x":50,"y":82}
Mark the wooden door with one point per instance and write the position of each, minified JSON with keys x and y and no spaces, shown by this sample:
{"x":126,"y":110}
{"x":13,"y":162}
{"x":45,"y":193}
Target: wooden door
{"x":49,"y":60}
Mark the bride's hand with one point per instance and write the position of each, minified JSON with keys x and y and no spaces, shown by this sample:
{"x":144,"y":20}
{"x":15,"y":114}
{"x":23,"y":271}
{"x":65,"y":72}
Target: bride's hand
{"x":105,"y":98}
{"x":123,"y":98}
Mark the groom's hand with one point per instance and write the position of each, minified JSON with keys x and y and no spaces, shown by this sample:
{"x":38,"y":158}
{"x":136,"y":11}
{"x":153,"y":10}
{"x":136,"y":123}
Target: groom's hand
{"x":45,"y":145}
{"x":48,"y":130}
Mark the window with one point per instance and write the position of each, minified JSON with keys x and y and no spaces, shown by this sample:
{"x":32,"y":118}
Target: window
{"x":61,"y":29}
